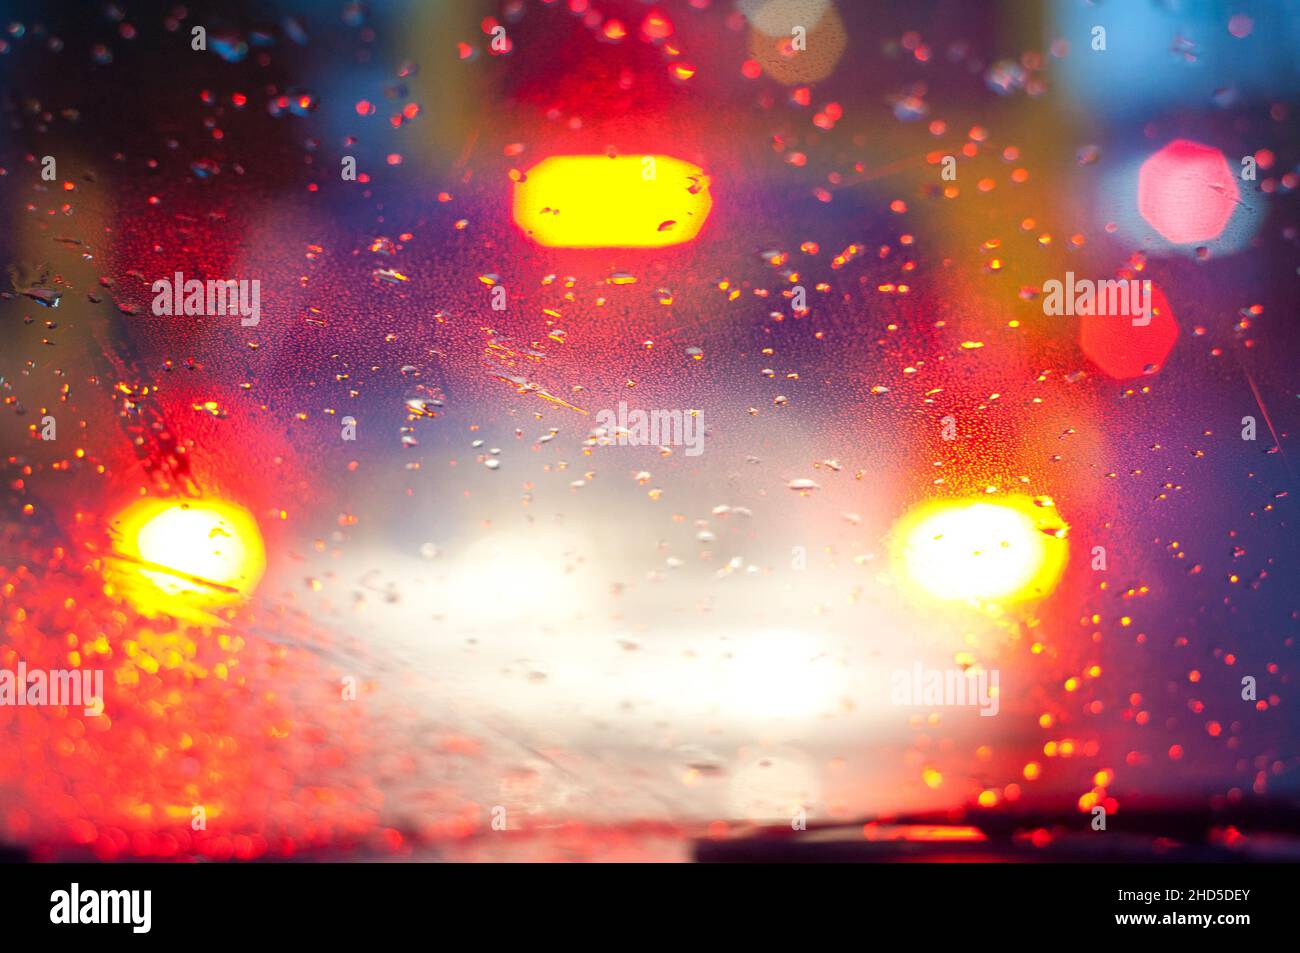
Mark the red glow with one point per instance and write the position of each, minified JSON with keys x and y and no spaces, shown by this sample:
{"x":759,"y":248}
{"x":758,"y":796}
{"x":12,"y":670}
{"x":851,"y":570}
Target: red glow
{"x":1124,"y":350}
{"x":1187,"y":192}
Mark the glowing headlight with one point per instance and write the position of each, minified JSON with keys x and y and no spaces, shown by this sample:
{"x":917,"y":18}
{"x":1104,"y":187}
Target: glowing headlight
{"x":1003,"y":550}
{"x":179,"y":554}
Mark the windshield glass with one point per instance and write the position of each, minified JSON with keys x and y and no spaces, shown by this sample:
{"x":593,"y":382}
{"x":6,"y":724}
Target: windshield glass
{"x":624,"y":424}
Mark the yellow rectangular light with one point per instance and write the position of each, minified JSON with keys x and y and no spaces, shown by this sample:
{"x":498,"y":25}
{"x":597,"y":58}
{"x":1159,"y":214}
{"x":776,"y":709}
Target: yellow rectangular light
{"x":598,"y":201}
